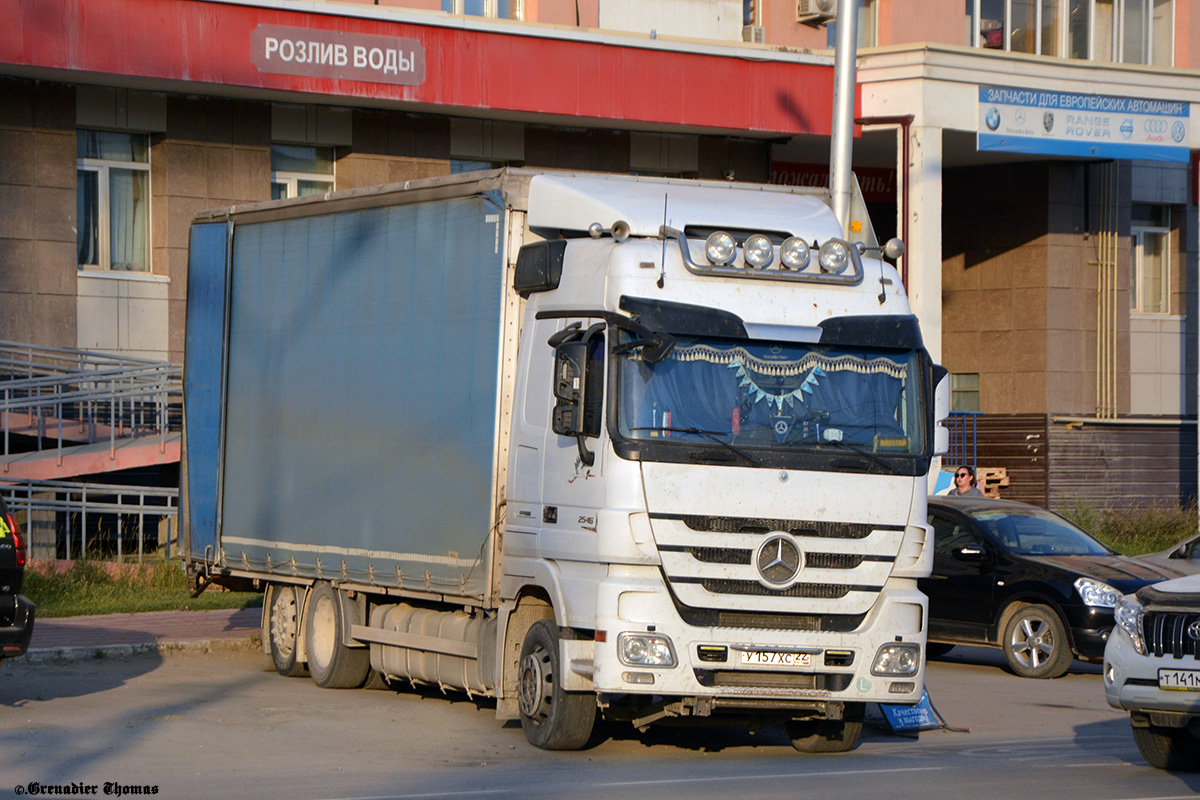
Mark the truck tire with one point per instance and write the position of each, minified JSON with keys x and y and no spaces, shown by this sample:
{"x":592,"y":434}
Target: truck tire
{"x":552,"y":719}
{"x":331,"y":663}
{"x":1168,"y":748}
{"x":1035,"y":643}
{"x":283,"y":626}
{"x":828,"y":735}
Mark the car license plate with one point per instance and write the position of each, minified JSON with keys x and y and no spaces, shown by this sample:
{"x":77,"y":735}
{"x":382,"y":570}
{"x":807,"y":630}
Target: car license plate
{"x":1181,"y":680}
{"x":773,"y":659}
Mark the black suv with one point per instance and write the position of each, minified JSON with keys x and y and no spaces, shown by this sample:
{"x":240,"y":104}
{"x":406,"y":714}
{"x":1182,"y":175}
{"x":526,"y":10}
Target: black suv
{"x":16,"y":612}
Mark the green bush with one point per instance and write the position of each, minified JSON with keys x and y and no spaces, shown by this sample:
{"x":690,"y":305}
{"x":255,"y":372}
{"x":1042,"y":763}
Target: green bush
{"x":91,"y":587}
{"x":1134,"y":533}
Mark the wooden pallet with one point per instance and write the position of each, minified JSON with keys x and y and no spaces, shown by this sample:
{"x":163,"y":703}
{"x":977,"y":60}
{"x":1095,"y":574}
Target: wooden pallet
{"x":991,"y":480}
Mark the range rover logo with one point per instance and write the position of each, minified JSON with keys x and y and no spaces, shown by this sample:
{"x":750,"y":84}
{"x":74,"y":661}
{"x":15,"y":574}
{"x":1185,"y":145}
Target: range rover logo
{"x":1194,"y":630}
{"x":779,"y":560}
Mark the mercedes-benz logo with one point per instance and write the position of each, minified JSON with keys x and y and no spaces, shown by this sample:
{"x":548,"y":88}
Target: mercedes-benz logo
{"x":1194,"y":630}
{"x":779,"y":560}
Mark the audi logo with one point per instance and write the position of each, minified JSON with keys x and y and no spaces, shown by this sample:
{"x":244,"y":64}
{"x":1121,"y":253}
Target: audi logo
{"x":1155,"y":126}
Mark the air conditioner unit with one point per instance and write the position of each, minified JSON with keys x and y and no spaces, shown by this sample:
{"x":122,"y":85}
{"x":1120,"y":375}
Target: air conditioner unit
{"x":755,"y":34}
{"x":814,"y":12}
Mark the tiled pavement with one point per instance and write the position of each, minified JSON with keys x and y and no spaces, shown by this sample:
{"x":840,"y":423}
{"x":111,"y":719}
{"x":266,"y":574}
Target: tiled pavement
{"x":83,"y":637}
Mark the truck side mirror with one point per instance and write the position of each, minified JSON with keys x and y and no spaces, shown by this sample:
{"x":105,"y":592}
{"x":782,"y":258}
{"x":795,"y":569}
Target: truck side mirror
{"x":570,"y":385}
{"x":941,"y":411}
{"x":570,"y":393}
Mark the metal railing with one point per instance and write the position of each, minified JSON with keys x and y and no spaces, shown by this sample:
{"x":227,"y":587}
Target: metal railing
{"x":964,"y":439}
{"x":96,"y":520}
{"x":81,"y":397}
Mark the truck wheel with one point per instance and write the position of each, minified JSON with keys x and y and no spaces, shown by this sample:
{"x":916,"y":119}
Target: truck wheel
{"x":283,"y":625}
{"x":1168,"y":748}
{"x":828,"y":735}
{"x":1035,"y":643}
{"x":332,"y":664}
{"x":551,"y":718}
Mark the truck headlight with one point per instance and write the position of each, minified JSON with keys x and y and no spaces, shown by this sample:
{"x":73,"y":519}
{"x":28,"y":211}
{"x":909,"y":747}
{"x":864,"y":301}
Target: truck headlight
{"x":833,"y":256}
{"x":794,"y":253}
{"x":895,"y":660}
{"x":758,"y":251}
{"x":1096,"y":593}
{"x":720,"y":248}
{"x":1129,"y":613}
{"x":645,"y":650}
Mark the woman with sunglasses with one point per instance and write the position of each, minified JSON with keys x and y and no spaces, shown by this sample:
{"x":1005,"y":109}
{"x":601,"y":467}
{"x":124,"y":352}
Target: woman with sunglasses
{"x":964,"y":483}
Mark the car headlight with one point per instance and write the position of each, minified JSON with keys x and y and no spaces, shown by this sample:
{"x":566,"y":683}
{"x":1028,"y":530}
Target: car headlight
{"x":1129,"y":613}
{"x":897,"y":660}
{"x":645,"y":650}
{"x":1096,"y":593}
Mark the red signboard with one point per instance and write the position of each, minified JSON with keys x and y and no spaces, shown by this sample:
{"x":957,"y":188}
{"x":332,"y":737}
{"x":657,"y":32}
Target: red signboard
{"x":877,"y":185}
{"x":185,"y":45}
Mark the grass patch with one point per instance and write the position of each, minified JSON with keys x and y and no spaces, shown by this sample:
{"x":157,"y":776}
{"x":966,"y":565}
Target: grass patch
{"x":1134,"y":533}
{"x":89,"y":587}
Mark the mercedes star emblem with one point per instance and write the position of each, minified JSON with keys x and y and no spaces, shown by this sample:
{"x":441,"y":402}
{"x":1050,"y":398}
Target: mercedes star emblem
{"x":779,"y":560}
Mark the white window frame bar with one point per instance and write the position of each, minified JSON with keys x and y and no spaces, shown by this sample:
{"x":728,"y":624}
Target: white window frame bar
{"x":101,"y":167}
{"x":1137,"y":247}
{"x":291,"y":180}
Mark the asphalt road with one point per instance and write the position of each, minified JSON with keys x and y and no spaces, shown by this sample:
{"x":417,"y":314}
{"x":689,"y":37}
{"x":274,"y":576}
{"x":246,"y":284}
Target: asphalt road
{"x":222,"y":724}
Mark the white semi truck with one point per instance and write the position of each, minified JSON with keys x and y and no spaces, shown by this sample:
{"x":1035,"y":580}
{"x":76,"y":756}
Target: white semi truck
{"x":590,"y":445}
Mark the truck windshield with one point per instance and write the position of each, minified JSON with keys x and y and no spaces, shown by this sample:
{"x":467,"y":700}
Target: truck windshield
{"x":778,"y":403}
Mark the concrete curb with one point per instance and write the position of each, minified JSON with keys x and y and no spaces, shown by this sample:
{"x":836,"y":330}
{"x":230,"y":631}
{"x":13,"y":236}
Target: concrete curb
{"x":68,"y":654}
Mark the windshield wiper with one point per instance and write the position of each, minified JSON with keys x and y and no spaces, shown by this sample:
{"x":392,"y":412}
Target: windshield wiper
{"x":712,"y":435}
{"x":860,"y":451}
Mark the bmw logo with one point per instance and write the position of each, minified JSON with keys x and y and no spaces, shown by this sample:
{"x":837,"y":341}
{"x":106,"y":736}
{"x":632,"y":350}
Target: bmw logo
{"x":992,"y":118}
{"x":779,"y":561}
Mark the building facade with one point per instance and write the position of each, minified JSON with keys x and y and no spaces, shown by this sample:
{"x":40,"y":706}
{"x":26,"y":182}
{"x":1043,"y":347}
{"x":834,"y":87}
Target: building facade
{"x":1057,"y":286}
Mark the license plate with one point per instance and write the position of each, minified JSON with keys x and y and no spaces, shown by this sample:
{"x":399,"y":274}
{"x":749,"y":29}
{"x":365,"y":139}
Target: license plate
{"x":772,"y":659}
{"x":1182,"y":680}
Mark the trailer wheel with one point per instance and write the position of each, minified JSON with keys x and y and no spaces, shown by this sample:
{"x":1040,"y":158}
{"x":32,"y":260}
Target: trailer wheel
{"x":332,"y":664}
{"x":828,"y":735}
{"x":552,"y":719}
{"x":283,"y":626}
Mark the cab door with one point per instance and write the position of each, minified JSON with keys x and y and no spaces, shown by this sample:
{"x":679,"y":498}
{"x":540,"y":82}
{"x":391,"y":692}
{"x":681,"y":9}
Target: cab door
{"x":572,"y":489}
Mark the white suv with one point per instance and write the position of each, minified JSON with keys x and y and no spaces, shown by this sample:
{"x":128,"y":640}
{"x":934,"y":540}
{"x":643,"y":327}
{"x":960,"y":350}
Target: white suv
{"x":1152,"y":670}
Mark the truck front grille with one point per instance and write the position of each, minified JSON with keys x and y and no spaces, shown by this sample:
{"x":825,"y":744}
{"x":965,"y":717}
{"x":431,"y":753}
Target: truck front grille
{"x":710,"y":563}
{"x":832,"y":530}
{"x":826,"y":590}
{"x":1167,"y":633}
{"x":747,"y":679}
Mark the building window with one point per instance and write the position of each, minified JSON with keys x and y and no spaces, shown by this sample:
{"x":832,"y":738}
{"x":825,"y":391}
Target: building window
{"x":964,"y":391}
{"x":300,"y":170}
{"x":1123,"y":31}
{"x":501,"y":9}
{"x":112,"y":200}
{"x":1150,"y":260}
{"x":866,"y":26}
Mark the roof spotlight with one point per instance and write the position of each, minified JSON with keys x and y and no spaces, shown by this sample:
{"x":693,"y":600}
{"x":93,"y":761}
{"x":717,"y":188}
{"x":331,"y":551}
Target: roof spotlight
{"x":720,"y":248}
{"x":834,"y":256}
{"x":758,"y":251}
{"x":794,"y":253}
